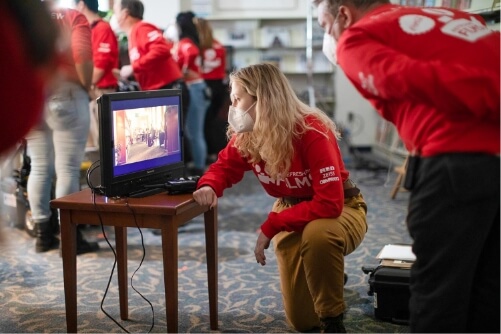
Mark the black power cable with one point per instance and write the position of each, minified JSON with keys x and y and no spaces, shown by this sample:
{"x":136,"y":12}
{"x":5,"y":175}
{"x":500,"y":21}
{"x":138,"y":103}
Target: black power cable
{"x":115,"y":259}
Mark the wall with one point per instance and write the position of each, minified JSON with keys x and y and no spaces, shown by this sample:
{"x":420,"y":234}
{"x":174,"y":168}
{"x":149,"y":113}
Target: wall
{"x":363,"y":120}
{"x":161,"y":12}
{"x":249,"y":9}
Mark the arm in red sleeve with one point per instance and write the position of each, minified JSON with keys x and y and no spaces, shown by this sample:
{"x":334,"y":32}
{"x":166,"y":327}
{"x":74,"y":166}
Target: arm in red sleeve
{"x":156,"y":48}
{"x":381,"y":72}
{"x":81,"y":45}
{"x":189,"y":53}
{"x":105,"y":47}
{"x":81,"y":40}
{"x":324,"y":160}
{"x":228,"y":170}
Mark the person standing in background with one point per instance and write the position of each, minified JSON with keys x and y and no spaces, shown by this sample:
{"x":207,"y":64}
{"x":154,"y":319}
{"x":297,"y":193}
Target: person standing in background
{"x":105,"y":58}
{"x":150,"y":54}
{"x":214,"y":73}
{"x":56,"y":145}
{"x":435,"y":74}
{"x":187,"y":56}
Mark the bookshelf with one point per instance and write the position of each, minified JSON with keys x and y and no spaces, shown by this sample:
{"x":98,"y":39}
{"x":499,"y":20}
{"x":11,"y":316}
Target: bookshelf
{"x":282,"y":41}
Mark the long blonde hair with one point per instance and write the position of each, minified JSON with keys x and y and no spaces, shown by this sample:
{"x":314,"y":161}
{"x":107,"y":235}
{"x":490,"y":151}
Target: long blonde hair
{"x":204,"y":33}
{"x":280,"y":118}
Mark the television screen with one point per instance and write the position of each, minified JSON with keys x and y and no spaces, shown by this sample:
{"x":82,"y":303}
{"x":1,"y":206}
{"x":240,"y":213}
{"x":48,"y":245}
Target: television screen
{"x":141,"y":141}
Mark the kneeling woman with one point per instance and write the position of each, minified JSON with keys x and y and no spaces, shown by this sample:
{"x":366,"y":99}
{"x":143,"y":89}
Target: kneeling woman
{"x":319,"y":215}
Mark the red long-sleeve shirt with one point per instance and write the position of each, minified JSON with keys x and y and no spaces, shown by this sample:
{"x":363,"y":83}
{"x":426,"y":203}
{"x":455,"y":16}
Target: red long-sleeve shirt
{"x":433,"y":72}
{"x":76,"y":41}
{"x":317,"y":171}
{"x":187,"y":56}
{"x":151,"y":58}
{"x":104,"y":52}
{"x":214,"y":62}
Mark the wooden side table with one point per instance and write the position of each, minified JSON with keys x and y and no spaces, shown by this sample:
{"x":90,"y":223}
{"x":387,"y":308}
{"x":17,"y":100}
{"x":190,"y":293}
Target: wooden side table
{"x":161,"y":211}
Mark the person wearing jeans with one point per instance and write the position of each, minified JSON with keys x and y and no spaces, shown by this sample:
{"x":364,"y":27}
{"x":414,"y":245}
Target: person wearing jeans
{"x":187,"y":55}
{"x":195,"y":122}
{"x":56,"y":145}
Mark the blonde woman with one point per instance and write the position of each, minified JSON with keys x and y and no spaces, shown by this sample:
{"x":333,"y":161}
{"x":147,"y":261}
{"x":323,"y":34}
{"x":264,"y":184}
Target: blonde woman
{"x":319,"y":215}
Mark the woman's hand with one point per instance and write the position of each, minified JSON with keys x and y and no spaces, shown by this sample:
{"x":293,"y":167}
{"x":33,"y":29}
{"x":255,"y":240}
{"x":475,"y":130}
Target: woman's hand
{"x":205,"y":196}
{"x":262,"y":243}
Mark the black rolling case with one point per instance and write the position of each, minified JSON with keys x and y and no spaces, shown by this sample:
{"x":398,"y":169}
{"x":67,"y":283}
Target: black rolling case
{"x":390,"y":288}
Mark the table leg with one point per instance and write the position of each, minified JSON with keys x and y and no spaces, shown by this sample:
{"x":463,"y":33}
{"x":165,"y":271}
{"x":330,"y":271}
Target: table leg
{"x":69,"y":256}
{"x":170,"y":259}
{"x":210,"y":219}
{"x":123,"y":292}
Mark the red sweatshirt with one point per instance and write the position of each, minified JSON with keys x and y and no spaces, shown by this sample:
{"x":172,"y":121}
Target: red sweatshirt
{"x":104,"y":52}
{"x":187,"y":56}
{"x":214,"y":62}
{"x":150,"y":57}
{"x":317,"y":171}
{"x":433,"y":72}
{"x":76,"y":40}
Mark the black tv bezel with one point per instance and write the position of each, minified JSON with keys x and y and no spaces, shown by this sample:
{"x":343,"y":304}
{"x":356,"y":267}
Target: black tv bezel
{"x":133,"y":184}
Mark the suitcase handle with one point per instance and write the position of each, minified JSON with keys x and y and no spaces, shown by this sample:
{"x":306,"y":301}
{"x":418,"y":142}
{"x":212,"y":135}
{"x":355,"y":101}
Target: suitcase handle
{"x":370,"y":269}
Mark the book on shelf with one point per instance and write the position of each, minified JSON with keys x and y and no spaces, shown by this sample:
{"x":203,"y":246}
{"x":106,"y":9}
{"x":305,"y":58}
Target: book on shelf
{"x":275,"y":37}
{"x":239,"y":38}
{"x":274,"y":59}
{"x":457,"y":4}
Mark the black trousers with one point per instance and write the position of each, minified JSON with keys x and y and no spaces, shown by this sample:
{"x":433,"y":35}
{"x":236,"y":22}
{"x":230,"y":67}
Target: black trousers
{"x":454,"y":221}
{"x":216,"y":119}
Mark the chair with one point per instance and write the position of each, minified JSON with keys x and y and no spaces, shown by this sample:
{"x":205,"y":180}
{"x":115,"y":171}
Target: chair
{"x":400,"y":170}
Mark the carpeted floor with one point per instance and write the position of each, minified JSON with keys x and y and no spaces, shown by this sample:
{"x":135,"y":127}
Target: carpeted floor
{"x":31,"y":284}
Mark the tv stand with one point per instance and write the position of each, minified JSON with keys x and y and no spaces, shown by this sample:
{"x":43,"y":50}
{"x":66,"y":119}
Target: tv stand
{"x":165,"y":213}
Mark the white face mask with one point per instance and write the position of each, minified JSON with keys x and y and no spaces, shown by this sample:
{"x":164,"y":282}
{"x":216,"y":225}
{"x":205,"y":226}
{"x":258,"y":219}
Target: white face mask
{"x":240,"y":120}
{"x":172,"y":33}
{"x":114,"y":24}
{"x":329,"y":48}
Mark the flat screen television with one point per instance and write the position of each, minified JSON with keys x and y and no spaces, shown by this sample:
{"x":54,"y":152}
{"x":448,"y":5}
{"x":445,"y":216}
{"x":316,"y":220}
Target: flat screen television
{"x":141,"y":141}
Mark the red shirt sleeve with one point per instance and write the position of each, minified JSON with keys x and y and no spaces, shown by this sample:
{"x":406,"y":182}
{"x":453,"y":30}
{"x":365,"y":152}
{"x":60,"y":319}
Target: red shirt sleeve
{"x":152,"y":46}
{"x":81,"y":40}
{"x":228,"y":170}
{"x":317,"y":171}
{"x":322,"y":157}
{"x":188,"y":55}
{"x":443,"y":96}
{"x":105,"y":52}
{"x":385,"y":71}
{"x":104,"y":46}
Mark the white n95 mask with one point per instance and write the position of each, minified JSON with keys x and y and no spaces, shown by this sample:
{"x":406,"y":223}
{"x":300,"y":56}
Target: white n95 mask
{"x":240,"y":120}
{"x":329,"y":48}
{"x":172,"y":33}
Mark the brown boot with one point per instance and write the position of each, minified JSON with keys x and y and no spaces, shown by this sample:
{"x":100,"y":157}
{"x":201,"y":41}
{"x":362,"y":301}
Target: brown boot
{"x":45,"y":239}
{"x":84,"y":246}
{"x":332,"y":324}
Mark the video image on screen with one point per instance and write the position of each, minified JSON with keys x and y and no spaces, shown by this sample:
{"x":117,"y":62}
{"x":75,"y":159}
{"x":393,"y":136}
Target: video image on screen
{"x":142,"y":134}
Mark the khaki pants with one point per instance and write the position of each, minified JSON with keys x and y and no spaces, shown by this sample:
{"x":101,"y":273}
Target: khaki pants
{"x":311,"y":263}
{"x":93,"y":139}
